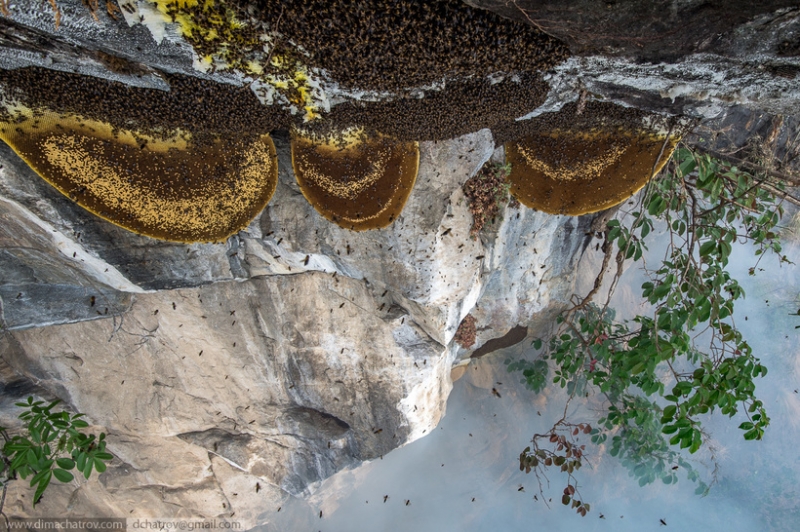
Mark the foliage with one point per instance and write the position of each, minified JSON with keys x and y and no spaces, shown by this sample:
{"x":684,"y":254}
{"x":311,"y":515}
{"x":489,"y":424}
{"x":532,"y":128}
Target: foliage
{"x":486,"y":191}
{"x":52,"y":448}
{"x":656,"y":383}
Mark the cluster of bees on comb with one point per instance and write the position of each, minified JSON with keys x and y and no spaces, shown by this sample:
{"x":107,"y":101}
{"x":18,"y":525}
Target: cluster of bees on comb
{"x":197,"y":163}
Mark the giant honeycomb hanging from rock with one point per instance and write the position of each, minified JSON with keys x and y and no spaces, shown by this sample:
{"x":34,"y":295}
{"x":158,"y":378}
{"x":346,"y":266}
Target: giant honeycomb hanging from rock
{"x":585,"y":158}
{"x":355,"y":180}
{"x":162,"y":164}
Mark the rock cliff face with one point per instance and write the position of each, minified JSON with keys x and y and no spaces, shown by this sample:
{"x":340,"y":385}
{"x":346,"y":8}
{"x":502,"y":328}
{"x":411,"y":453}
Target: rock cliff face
{"x":231,"y":376}
{"x":294,"y":350}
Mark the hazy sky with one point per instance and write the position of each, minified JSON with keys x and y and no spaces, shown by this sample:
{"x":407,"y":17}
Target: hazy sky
{"x":474,"y":453}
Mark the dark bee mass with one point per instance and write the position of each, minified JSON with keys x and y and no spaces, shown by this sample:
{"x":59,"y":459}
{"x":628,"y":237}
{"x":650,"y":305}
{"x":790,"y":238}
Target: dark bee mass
{"x":395,"y":44}
{"x":194,"y":105}
{"x":461,"y":107}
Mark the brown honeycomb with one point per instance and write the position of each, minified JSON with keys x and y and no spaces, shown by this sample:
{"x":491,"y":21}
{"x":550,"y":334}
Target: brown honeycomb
{"x":359,"y":183}
{"x":585,"y":160}
{"x":578,"y":174}
{"x":171,"y":187}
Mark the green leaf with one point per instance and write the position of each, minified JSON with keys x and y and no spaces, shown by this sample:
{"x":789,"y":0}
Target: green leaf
{"x":43,"y":483}
{"x":707,"y":248}
{"x":63,"y":476}
{"x":99,"y":465}
{"x":33,"y":460}
{"x":669,"y":429}
{"x":87,"y":469}
{"x":81,"y":461}
{"x":752,"y":435}
{"x":65,"y":463}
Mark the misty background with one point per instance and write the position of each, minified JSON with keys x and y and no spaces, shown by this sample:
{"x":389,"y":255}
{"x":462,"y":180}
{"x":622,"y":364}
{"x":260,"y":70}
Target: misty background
{"x":465,"y":475}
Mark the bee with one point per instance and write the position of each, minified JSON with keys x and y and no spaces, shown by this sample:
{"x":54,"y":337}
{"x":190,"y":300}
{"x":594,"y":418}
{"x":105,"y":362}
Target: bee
{"x":91,"y":301}
{"x":663,"y":522}
{"x":201,"y":353}
{"x":408,"y":502}
{"x":155,"y":313}
{"x":479,"y":257}
{"x":447,"y":231}
{"x":174,"y":306}
{"x":340,"y":306}
{"x":320,"y":514}
{"x":495,"y":393}
{"x":385,"y":498}
{"x":473,"y":499}
{"x":305,"y":262}
{"x":377,"y":431}
{"x":521,"y":488}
